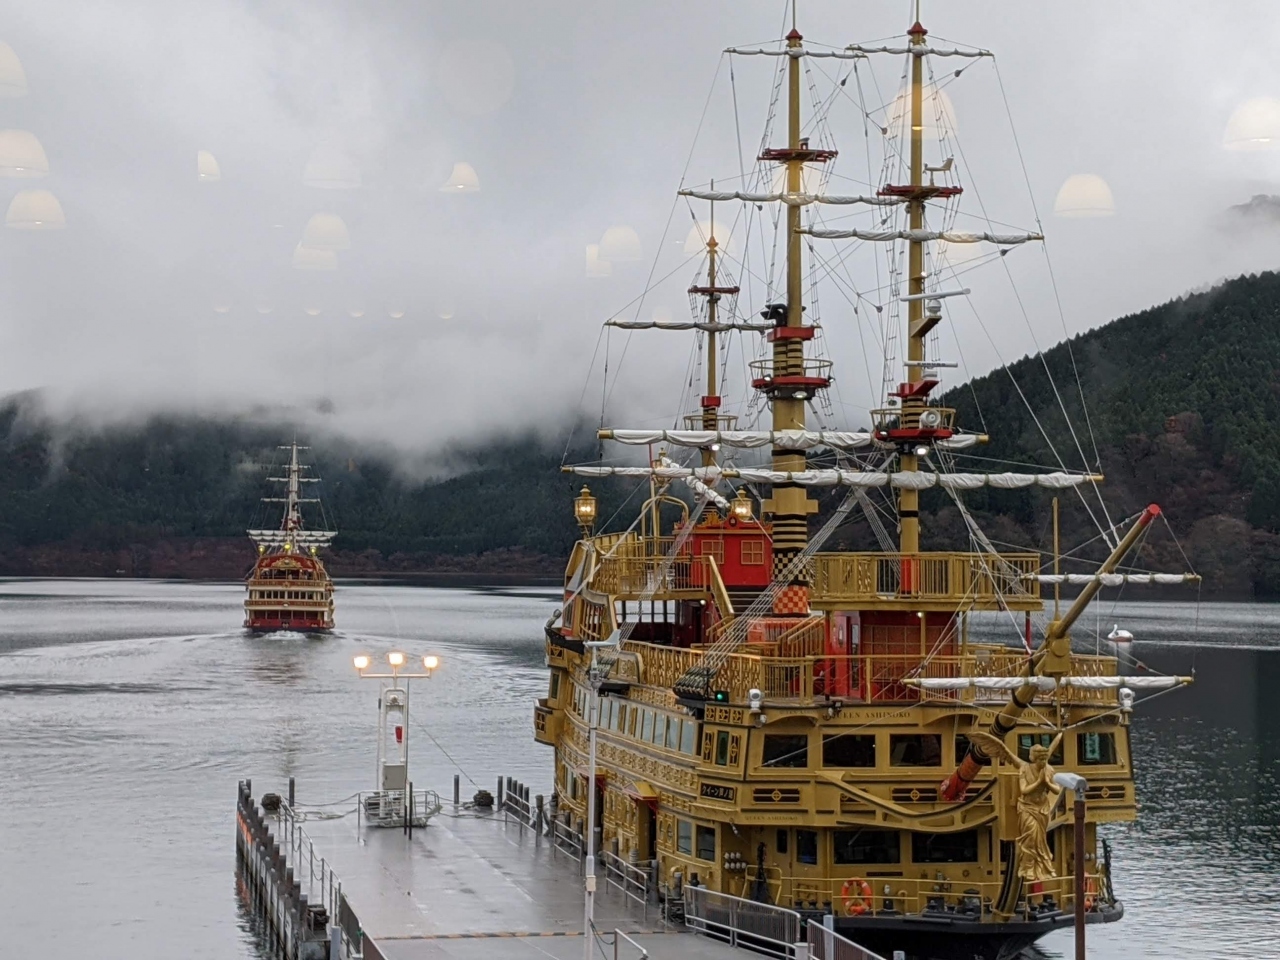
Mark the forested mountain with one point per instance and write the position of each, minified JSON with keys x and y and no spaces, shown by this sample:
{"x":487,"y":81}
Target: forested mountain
{"x":1183,"y":410}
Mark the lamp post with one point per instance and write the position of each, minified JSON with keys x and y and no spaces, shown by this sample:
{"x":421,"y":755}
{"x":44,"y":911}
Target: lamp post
{"x":1077,"y":785}
{"x":394,"y":696}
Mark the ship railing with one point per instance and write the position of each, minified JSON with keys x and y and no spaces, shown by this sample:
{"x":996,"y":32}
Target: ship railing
{"x":642,"y":566}
{"x":936,"y":898}
{"x":318,"y":881}
{"x":864,"y":678}
{"x":777,"y":636}
{"x":952,"y":577}
{"x":826,"y":944}
{"x":759,"y":927}
{"x":630,"y":879}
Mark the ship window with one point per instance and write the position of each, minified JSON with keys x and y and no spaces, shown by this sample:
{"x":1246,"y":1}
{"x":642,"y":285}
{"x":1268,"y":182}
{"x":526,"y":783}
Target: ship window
{"x":706,"y":843}
{"x":688,"y":736}
{"x":554,"y":691}
{"x":712,"y":548}
{"x":849,"y":750}
{"x":752,"y":552}
{"x":1028,"y":740}
{"x":785,"y":750}
{"x":959,"y":847}
{"x":646,"y":728}
{"x":782,"y":841}
{"x":915,"y":750}
{"x":673,"y":733}
{"x":1096,"y":748}
{"x":807,"y":846}
{"x":722,"y":748}
{"x":684,"y":836}
{"x":659,"y":729}
{"x":867,"y":846}
{"x":620,"y":718}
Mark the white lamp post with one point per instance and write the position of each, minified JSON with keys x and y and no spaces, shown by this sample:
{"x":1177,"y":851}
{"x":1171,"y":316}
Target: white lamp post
{"x":394,"y":776}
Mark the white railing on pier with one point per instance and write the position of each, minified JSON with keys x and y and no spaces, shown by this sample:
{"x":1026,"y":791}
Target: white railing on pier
{"x":631,"y":879}
{"x":759,"y":927}
{"x":826,"y":944}
{"x":316,"y":877}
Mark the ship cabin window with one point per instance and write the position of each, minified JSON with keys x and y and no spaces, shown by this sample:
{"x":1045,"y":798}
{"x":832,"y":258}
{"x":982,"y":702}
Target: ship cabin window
{"x":646,"y":726}
{"x":673,"y":733}
{"x":752,"y":552}
{"x":659,"y":730}
{"x":782,"y":841}
{"x":722,"y":748}
{"x":554,"y":690}
{"x":684,"y":836}
{"x":849,"y":750}
{"x":915,"y":750}
{"x":1095,"y":749}
{"x":1028,"y":740}
{"x":706,"y":843}
{"x":688,"y":737}
{"x":867,"y":846}
{"x":959,"y":847}
{"x":712,"y":548}
{"x":785,"y":750}
{"x":807,"y":846}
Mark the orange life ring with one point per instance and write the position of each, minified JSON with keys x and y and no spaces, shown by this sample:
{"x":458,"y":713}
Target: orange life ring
{"x":857,"y":896}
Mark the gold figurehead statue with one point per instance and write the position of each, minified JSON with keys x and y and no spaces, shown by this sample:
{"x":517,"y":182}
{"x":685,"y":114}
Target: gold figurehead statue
{"x":1037,"y":797}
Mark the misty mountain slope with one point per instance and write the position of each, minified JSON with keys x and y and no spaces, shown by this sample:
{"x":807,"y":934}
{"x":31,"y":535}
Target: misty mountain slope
{"x":1183,"y":399}
{"x":1184,"y":404}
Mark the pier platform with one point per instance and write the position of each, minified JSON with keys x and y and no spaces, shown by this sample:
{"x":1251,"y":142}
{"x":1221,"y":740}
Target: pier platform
{"x":475,"y":884}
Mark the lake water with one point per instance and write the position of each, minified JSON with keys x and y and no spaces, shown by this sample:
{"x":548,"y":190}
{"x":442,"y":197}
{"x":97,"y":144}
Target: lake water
{"x":128,"y":711}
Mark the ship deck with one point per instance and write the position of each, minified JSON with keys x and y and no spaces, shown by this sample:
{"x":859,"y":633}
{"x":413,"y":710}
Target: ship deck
{"x":473,"y":885}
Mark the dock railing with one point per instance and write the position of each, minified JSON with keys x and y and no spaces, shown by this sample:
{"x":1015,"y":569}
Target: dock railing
{"x":629,"y":878}
{"x":826,"y":944}
{"x":759,"y":927}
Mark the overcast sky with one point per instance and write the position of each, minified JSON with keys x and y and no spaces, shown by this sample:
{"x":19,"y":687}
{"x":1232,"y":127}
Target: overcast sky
{"x":575,"y":116}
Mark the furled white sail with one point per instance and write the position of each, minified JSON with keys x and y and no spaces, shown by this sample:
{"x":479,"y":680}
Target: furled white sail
{"x":919,"y":51}
{"x":700,"y":488}
{"x":1115,"y":579}
{"x":1045,"y":684}
{"x":781,"y":439}
{"x":950,"y":236}
{"x":298,"y":538}
{"x":688,"y":325}
{"x":790,"y":199}
{"x":796,"y":53}
{"x":849,"y":478}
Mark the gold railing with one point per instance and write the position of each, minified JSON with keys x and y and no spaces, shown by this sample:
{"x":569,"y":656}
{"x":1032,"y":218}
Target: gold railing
{"x":775,"y":636}
{"x":639,"y":566}
{"x":913,"y":896}
{"x":952,"y":577}
{"x":866,"y":678}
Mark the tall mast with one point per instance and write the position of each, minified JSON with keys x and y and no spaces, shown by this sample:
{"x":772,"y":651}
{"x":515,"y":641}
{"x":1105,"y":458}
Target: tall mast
{"x":711,"y":400}
{"x":788,"y":390}
{"x":292,"y":512}
{"x":913,"y":392}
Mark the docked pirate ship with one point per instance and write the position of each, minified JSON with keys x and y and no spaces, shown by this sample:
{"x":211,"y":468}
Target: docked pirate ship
{"x":289,"y":587}
{"x":815,"y":729}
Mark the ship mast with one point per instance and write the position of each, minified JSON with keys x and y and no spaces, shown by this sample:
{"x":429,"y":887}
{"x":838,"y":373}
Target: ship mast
{"x":915,"y":389}
{"x":293,"y":497}
{"x":789,"y":504}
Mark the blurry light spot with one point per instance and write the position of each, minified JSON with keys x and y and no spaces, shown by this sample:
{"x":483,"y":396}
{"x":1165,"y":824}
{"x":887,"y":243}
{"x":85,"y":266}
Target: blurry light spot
{"x":595,"y":266}
{"x":13,"y":79}
{"x":35,"y":210}
{"x":326,"y":231}
{"x":21,"y":155}
{"x":207,"y":169}
{"x":1255,"y":125}
{"x":308,"y":258}
{"x":462,"y":180}
{"x":1084,"y":195}
{"x":620,"y":244}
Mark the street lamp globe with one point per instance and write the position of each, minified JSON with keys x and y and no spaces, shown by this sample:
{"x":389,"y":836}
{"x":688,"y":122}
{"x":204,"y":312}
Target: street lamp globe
{"x":361,"y":662}
{"x":396,"y":659}
{"x":430,"y":662}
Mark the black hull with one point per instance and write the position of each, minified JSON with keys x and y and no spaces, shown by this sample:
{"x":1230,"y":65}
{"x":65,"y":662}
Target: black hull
{"x":957,"y":938}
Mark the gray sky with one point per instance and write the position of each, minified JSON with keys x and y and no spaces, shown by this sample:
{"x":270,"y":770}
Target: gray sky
{"x":575,"y":116}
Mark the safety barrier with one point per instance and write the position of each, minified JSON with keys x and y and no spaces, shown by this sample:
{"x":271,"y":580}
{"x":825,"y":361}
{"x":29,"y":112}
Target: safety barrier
{"x":629,"y":878}
{"x":826,"y":944}
{"x":759,"y":927}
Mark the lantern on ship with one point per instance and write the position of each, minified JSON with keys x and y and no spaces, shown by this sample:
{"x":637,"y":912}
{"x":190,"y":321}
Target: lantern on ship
{"x":584,"y":510}
{"x":742,"y":506}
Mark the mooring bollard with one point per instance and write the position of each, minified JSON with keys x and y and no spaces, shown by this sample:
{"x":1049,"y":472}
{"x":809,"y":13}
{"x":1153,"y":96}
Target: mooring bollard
{"x":457,"y":790}
{"x":499,"y":793}
{"x":539,"y":807}
{"x":291,"y":785}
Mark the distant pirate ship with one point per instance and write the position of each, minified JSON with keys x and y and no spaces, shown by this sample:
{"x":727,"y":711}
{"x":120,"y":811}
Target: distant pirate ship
{"x":289,"y":588}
